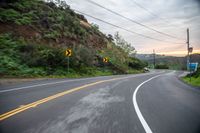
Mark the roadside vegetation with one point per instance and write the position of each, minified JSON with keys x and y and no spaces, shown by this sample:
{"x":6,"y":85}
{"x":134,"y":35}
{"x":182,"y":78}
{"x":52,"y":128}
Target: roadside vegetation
{"x":161,"y":66}
{"x":195,"y":78}
{"x":172,"y":62}
{"x":35,"y":34}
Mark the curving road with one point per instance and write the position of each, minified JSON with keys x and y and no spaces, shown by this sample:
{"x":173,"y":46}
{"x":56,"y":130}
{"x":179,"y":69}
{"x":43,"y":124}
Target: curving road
{"x":155,"y":102}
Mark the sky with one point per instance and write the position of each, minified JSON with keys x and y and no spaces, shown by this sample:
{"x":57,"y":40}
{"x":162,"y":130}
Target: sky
{"x":172,"y":17}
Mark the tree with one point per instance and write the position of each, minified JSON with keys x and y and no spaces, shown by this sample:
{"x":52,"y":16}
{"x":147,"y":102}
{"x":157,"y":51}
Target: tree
{"x":126,"y":46}
{"x":95,"y":27}
{"x":60,"y":3}
{"x":110,"y":37}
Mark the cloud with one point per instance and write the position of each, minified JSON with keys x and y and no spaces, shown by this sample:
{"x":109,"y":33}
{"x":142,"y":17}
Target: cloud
{"x":171,"y":16}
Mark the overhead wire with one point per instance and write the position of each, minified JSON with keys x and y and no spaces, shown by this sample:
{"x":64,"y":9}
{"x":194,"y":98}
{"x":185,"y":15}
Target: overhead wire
{"x":129,"y":19}
{"x":151,"y":13}
{"x":145,"y":36}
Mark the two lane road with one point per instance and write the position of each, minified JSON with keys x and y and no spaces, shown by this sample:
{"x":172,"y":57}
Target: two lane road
{"x":155,"y":102}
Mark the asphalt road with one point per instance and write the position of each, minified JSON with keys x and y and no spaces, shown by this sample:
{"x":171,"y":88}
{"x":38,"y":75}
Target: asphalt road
{"x":155,"y":102}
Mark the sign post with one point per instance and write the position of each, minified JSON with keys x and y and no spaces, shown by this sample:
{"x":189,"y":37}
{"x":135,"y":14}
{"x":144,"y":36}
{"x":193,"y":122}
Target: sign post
{"x":105,"y":60}
{"x":68,"y":53}
{"x":190,"y":51}
{"x":68,"y":64}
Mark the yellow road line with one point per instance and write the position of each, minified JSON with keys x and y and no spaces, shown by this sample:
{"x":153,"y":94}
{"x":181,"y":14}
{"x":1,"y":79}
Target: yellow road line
{"x":36,"y":103}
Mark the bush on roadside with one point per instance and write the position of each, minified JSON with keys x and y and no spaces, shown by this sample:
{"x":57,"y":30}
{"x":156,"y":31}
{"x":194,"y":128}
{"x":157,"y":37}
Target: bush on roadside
{"x":9,"y":15}
{"x":136,"y":63}
{"x":162,"y":66}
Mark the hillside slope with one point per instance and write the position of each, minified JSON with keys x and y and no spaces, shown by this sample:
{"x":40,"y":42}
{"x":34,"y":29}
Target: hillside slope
{"x":34,"y":36}
{"x":173,"y":62}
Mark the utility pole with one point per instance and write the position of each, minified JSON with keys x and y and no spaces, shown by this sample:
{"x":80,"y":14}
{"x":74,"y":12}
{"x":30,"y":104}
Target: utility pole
{"x":154,"y":59}
{"x":188,"y":54}
{"x":188,"y":46}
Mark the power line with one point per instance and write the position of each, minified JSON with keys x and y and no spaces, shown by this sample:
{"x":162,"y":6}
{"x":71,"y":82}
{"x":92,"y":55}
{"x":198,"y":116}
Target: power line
{"x":125,"y":29}
{"x":138,"y":23}
{"x":151,"y":13}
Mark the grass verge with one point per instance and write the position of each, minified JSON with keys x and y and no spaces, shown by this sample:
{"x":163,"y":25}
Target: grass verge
{"x":195,"y":81}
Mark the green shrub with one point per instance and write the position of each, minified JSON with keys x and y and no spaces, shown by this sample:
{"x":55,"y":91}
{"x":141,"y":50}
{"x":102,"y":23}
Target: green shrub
{"x":162,"y":66}
{"x":42,"y":56}
{"x":9,"y":15}
{"x":33,"y":72}
{"x":26,"y":5}
{"x":19,"y":6}
{"x":61,"y":71}
{"x":53,"y":34}
{"x":136,"y":63}
{"x":82,"y":56}
{"x":23,"y":21}
{"x":196,"y":74}
{"x":95,"y":27}
{"x":8,"y":64}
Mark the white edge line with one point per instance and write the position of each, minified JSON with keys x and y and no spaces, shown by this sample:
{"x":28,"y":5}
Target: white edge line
{"x":139,"y":114}
{"x":25,"y":87}
{"x":37,"y":85}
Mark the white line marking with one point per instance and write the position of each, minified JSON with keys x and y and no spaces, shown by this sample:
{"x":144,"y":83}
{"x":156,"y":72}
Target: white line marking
{"x":25,"y":87}
{"x":139,"y":114}
{"x":37,"y":85}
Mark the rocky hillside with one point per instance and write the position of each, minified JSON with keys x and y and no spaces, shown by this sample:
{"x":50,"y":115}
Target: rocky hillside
{"x":35,"y":34}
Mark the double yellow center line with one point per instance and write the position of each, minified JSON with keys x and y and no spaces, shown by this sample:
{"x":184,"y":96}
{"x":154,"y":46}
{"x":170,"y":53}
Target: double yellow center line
{"x":36,"y":103}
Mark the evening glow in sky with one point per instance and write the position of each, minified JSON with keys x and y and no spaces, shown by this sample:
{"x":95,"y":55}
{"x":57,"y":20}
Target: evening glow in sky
{"x":172,"y":17}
